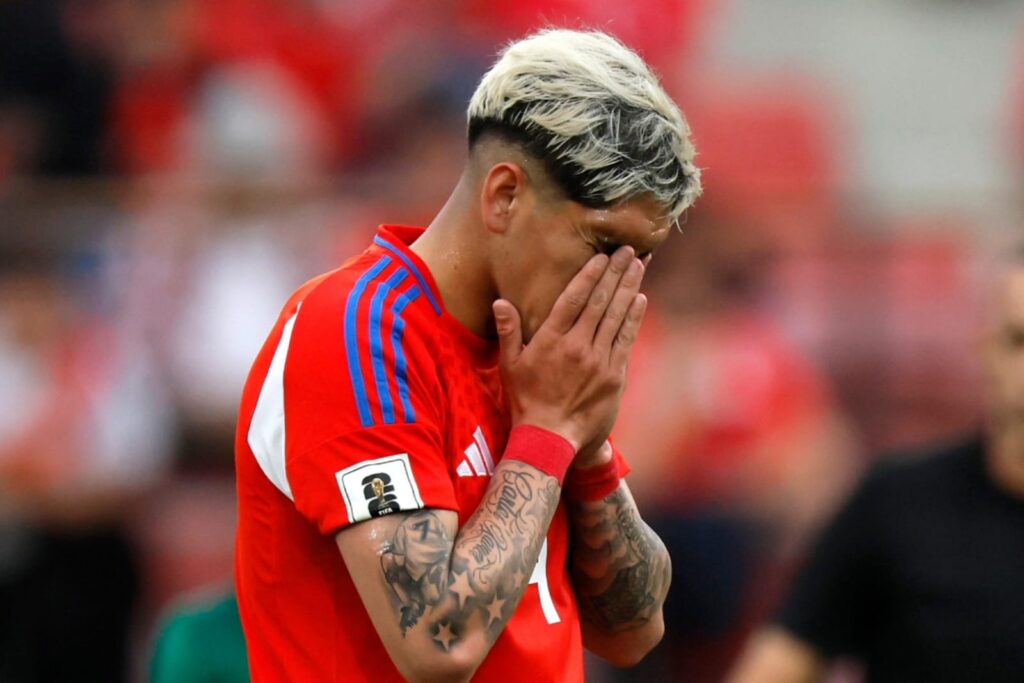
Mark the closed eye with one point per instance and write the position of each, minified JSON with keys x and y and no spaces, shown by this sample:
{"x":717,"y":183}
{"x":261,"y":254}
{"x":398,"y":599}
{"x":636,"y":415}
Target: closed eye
{"x":609,"y":247}
{"x":605,"y":246}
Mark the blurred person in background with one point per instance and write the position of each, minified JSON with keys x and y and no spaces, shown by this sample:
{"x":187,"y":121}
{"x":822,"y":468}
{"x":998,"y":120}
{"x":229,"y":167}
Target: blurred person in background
{"x":210,"y":250}
{"x":401,"y":511}
{"x":919,"y":575}
{"x":744,"y":448}
{"x":200,"y":640}
{"x":56,"y":86}
{"x":85,"y":430}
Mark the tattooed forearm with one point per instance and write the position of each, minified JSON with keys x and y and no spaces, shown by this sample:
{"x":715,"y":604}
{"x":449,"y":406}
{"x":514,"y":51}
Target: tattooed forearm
{"x":413,"y":562}
{"x":620,"y":567}
{"x":475,"y":582}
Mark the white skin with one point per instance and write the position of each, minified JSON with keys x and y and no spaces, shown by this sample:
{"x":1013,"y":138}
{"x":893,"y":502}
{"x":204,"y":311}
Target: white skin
{"x":776,"y":656}
{"x":516,"y":260}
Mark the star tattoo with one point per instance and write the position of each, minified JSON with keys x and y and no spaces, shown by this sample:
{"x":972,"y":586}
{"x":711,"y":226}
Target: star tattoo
{"x":517,"y":577}
{"x":444,"y":635}
{"x":494,"y":610}
{"x":461,"y":588}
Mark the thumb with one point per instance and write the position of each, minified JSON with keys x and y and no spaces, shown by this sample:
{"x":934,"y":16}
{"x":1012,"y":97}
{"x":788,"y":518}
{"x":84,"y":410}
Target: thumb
{"x":510,"y":331}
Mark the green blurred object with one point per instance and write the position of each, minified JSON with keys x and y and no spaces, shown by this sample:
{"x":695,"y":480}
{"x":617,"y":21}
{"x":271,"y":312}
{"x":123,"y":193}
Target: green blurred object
{"x":201,"y":641}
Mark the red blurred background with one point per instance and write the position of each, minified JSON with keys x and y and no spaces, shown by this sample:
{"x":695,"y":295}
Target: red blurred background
{"x":171,"y":169}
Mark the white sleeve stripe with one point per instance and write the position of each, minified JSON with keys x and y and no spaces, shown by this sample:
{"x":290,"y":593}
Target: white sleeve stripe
{"x":266,"y":432}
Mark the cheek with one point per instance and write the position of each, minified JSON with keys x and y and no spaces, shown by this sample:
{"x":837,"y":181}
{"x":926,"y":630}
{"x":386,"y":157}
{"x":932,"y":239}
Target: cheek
{"x":543,"y":287}
{"x":560,"y":274}
{"x":1006,"y":375}
{"x":1015,"y":371}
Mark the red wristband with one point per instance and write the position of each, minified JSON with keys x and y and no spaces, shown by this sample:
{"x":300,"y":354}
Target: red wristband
{"x":547,"y":451}
{"x":593,"y":483}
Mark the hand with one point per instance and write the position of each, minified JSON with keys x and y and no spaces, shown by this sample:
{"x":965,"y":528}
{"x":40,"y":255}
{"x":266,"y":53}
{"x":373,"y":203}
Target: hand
{"x":570,"y":378}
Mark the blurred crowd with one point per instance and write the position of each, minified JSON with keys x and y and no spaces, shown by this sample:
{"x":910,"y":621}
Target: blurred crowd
{"x":170,"y":170}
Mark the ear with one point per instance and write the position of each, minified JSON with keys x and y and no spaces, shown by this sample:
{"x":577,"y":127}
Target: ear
{"x":502,"y":195}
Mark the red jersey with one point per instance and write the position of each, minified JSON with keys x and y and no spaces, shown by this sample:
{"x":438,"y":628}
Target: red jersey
{"x":366,"y":376}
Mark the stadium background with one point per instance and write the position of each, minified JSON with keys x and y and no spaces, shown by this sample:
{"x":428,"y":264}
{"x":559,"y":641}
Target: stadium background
{"x":171,"y":169}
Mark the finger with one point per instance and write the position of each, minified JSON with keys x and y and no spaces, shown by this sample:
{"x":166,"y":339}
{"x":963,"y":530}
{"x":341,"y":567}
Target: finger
{"x":572,"y":300}
{"x":627,"y":333}
{"x":510,"y":331}
{"x":622,"y":299}
{"x":601,"y":296}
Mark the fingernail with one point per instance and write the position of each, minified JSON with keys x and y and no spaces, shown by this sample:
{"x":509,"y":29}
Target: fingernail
{"x":622,"y":256}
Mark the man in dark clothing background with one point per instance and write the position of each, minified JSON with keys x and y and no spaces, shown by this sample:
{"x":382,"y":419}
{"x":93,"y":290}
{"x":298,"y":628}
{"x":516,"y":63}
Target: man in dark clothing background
{"x":921,"y":573}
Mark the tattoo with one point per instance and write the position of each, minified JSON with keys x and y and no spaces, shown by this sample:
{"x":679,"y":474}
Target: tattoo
{"x":620,"y":567}
{"x":626,"y":599}
{"x":477,"y":580}
{"x":413,"y":563}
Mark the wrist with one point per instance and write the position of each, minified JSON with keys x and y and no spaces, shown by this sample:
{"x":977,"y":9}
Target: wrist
{"x":589,"y":456}
{"x":541,"y":448}
{"x":596,"y":482}
{"x":559,"y":428}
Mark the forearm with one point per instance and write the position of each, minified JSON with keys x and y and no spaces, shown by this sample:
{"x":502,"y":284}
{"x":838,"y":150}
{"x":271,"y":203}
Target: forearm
{"x":621,"y":571}
{"x":461,"y":597}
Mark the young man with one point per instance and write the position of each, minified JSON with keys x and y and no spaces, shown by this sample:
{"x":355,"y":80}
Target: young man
{"x":921,"y":574}
{"x":408,"y":484}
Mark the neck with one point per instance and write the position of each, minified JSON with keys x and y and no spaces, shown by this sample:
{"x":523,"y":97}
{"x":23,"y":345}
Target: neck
{"x":451,"y":248}
{"x":1006,"y":459}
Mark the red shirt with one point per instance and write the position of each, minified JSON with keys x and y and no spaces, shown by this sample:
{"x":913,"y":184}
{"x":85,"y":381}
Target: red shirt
{"x":366,"y":375}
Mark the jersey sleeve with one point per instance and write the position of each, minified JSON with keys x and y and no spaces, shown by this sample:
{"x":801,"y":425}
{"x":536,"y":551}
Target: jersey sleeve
{"x":363,"y":408}
{"x":839,"y":590}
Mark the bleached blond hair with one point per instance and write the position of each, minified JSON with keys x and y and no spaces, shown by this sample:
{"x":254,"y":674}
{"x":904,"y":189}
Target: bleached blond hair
{"x":593,"y":112}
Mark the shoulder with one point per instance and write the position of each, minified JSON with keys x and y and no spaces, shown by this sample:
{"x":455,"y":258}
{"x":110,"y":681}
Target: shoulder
{"x":359,"y":351}
{"x":190,"y":633}
{"x":918,"y":478}
{"x":202,"y":612}
{"x":925,"y":466}
{"x":367,"y":301}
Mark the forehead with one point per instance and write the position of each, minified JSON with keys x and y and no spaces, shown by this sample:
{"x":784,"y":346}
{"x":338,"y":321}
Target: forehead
{"x":640,"y":222}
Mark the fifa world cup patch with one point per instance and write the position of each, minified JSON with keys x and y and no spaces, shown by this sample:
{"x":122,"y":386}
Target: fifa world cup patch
{"x":375,"y":488}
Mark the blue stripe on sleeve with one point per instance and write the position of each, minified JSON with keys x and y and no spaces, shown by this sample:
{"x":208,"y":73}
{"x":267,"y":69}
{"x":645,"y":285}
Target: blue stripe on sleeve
{"x":412,"y":268}
{"x":352,"y":340}
{"x":397,"y":330}
{"x":376,"y":347}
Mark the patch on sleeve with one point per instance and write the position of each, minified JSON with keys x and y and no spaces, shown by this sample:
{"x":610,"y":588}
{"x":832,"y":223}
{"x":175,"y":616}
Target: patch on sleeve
{"x":375,"y":488}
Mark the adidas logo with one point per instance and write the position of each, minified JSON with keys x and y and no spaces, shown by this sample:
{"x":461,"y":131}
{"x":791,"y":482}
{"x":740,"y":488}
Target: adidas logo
{"x":478,"y":461}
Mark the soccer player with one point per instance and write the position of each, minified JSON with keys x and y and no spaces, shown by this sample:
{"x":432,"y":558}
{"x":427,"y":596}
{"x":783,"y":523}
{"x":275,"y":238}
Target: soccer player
{"x":426,"y":486}
{"x":921,"y":574}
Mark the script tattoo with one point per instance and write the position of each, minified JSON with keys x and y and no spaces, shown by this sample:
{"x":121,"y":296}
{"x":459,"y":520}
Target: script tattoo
{"x":476,"y":580}
{"x":621,"y":569}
